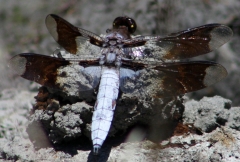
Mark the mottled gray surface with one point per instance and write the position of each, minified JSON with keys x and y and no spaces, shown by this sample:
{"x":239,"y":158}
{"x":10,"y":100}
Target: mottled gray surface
{"x":220,"y":144}
{"x":71,"y":121}
{"x":23,"y":30}
{"x":208,"y":113}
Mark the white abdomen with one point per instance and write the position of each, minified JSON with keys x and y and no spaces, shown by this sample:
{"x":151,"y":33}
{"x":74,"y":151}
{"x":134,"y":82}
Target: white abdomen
{"x":104,"y":106}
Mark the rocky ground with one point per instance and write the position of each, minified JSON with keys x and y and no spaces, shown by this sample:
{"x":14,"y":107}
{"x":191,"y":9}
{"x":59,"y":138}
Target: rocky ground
{"x":210,"y":133}
{"x":210,"y":129}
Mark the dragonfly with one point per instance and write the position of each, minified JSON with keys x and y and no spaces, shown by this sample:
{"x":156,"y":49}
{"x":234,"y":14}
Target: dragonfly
{"x":123,"y":62}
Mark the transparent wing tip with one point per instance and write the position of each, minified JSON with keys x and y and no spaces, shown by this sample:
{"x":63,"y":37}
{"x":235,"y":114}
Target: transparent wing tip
{"x":219,"y":36}
{"x":18,"y":64}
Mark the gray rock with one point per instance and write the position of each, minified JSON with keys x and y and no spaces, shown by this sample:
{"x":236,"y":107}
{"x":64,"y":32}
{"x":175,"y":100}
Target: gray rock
{"x":208,"y":113}
{"x":234,"y":118}
{"x":221,"y":144}
{"x":70,"y":121}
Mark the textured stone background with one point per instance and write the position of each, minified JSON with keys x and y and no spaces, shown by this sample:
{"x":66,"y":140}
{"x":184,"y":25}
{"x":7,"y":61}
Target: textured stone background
{"x":22,"y":29}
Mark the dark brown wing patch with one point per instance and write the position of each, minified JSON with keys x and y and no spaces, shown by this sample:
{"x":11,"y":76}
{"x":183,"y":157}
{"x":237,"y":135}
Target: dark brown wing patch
{"x":38,"y":68}
{"x":171,"y":79}
{"x":189,"y":43}
{"x":183,"y":77}
{"x":67,"y":35}
{"x":57,"y":73}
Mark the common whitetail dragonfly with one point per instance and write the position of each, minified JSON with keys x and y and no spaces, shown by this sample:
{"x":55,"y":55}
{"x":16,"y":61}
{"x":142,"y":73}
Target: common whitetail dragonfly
{"x":124,"y":61}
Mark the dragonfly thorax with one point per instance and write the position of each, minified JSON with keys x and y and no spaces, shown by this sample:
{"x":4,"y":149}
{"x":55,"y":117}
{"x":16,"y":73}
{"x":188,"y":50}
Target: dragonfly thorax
{"x":114,"y":37}
{"x":111,"y":56}
{"x":112,"y":51}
